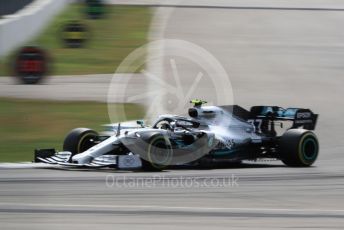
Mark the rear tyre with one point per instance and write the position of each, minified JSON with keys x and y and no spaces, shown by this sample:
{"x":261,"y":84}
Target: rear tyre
{"x":159,"y":154}
{"x":299,"y":148}
{"x":79,"y":140}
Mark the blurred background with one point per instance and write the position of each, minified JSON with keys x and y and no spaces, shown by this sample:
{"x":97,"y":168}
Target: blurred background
{"x":25,"y":114}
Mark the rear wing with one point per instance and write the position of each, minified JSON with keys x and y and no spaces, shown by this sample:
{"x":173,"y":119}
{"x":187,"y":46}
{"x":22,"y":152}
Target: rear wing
{"x":302,"y":118}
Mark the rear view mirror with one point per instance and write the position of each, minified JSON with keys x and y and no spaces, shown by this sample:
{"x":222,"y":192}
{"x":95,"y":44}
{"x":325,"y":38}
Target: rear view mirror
{"x":140,"y":122}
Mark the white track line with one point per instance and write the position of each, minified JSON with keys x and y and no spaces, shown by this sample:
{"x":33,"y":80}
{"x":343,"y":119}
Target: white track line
{"x":25,"y":165}
{"x":176,"y":208}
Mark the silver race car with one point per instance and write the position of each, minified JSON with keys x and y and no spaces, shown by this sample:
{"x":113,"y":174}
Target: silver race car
{"x":209,"y":134}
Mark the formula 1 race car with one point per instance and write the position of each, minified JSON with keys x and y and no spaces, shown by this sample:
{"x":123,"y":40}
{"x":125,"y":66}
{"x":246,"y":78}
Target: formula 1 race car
{"x":208,"y":134}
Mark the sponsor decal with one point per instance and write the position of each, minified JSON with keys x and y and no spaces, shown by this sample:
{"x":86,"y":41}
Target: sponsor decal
{"x":303,"y":115}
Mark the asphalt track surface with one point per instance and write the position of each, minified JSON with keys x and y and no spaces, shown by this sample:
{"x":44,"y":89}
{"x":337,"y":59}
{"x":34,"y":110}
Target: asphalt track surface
{"x":282,"y":57}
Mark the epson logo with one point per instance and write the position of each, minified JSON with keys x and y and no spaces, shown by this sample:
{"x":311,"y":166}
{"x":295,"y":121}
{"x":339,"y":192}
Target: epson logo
{"x":303,"y":115}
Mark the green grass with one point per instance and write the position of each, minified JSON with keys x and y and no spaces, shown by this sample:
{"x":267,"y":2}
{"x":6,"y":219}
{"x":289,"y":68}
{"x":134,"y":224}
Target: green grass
{"x":124,"y":29}
{"x":29,"y":124}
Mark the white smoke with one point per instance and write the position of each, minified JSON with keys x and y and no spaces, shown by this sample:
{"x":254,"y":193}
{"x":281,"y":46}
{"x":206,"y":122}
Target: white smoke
{"x":224,"y":125}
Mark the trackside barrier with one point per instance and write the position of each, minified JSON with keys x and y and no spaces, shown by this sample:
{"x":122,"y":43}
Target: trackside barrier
{"x":23,"y":26}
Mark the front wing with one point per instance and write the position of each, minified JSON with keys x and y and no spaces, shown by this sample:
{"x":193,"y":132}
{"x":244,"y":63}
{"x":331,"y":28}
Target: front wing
{"x":50,"y":156}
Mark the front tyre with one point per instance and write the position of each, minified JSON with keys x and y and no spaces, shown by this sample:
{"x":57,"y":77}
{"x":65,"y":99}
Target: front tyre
{"x":298,"y":148}
{"x":79,"y":140}
{"x":159,"y":154}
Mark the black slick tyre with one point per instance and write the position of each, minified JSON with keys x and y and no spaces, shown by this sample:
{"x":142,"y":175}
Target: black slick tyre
{"x":298,"y":148}
{"x":159,"y":154}
{"x":79,"y":140}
